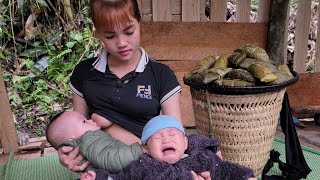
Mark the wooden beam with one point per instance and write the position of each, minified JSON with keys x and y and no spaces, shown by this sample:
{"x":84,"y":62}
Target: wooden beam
{"x":195,"y":40}
{"x":304,"y":95}
{"x":276,"y":30}
{"x":302,"y":36}
{"x":218,"y":10}
{"x":8,"y":134}
{"x":317,"y":58}
{"x":180,"y":45}
{"x":161,"y":10}
{"x":263,"y":11}
{"x":190,"y":10}
{"x":243,"y":10}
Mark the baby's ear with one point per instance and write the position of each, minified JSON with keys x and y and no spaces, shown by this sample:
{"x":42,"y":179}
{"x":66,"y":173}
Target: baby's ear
{"x":145,"y":148}
{"x":186,"y":142}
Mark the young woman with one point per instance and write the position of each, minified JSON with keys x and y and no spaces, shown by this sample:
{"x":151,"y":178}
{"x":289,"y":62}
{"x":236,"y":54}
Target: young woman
{"x":123,"y":86}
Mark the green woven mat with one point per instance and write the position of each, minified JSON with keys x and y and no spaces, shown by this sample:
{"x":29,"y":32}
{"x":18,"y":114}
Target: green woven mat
{"x":44,"y":168}
{"x":49,"y":168}
{"x":312,"y":157}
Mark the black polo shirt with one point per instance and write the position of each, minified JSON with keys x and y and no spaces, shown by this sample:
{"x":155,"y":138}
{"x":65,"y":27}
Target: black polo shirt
{"x":130,"y":101}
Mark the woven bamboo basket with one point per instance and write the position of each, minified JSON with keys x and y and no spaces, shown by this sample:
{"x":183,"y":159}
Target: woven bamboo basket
{"x":246,"y":124}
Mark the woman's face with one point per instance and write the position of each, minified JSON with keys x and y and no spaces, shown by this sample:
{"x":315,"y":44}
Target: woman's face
{"x":167,"y":145}
{"x":122,"y":42}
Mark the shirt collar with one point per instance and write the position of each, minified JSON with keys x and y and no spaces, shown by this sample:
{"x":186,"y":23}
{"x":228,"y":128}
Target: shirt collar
{"x":101,"y":62}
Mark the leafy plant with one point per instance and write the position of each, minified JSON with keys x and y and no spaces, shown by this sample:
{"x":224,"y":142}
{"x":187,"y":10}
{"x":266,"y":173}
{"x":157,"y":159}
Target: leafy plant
{"x":38,"y":56}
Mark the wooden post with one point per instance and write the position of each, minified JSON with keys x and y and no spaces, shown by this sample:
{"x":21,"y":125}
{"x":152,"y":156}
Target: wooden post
{"x":161,"y":10}
{"x":263,"y":11}
{"x":190,"y":10}
{"x":317,"y":58}
{"x":276,"y":30}
{"x":243,"y":10}
{"x":302,"y":36}
{"x":218,"y":12}
{"x":8,"y":134}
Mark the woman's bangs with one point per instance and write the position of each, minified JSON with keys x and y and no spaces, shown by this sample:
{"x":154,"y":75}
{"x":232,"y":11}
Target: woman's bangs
{"x":113,"y":18}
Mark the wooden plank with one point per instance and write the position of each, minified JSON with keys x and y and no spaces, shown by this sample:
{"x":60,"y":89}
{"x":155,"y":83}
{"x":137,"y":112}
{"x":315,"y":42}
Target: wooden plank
{"x":8,"y":134}
{"x":194,"y":40}
{"x":161,"y":10}
{"x":243,"y":10}
{"x":302,"y":35}
{"x":190,"y":10}
{"x":42,"y":139}
{"x":305,"y":94}
{"x":4,"y":158}
{"x":181,"y":45}
{"x":218,"y":11}
{"x":32,"y":146}
{"x":28,"y":155}
{"x":317,"y":57}
{"x":180,"y":66}
{"x":50,"y":151}
{"x":263,"y":11}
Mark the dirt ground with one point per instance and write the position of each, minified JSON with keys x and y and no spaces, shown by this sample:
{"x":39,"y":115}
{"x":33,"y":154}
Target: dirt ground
{"x":308,"y":136}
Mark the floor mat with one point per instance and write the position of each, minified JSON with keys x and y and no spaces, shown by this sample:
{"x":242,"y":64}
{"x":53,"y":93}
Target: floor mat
{"x":49,"y":168}
{"x":44,"y":168}
{"x":311,"y":156}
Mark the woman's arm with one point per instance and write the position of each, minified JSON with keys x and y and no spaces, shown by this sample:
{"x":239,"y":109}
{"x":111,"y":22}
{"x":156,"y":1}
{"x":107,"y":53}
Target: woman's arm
{"x":80,"y":105}
{"x":172,"y":107}
{"x":122,"y":134}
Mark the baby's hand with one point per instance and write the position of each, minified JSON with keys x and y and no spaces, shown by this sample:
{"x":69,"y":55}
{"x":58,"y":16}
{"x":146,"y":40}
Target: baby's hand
{"x":90,"y":175}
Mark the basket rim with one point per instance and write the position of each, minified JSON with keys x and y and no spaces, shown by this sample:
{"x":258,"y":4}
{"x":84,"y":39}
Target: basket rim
{"x":227,"y":90}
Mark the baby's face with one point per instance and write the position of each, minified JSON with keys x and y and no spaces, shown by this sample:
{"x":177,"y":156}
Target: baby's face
{"x":80,"y":124}
{"x":167,"y":145}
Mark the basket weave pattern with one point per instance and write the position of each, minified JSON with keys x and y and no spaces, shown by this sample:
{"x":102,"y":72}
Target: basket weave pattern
{"x":246,"y":124}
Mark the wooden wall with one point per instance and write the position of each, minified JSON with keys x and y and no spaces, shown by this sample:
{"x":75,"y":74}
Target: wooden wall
{"x":177,"y":33}
{"x":181,"y":44}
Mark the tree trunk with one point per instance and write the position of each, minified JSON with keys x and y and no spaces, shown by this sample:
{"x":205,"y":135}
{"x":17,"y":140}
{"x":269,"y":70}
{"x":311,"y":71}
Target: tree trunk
{"x":276,"y":36}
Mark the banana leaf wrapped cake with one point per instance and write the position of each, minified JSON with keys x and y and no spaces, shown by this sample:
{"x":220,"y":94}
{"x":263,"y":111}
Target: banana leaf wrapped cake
{"x":248,"y":70}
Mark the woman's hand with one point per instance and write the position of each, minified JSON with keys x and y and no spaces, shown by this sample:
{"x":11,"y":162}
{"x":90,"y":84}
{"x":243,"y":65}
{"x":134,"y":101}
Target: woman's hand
{"x":71,"y":158}
{"x":202,"y":176}
{"x":218,"y":153}
{"x":90,"y":175}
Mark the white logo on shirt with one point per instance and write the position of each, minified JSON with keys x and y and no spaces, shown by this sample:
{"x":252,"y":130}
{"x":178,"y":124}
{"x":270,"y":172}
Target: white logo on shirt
{"x":143,"y":92}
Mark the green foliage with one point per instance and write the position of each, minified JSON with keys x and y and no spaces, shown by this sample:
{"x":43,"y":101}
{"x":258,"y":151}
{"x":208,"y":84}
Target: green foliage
{"x":37,"y":70}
